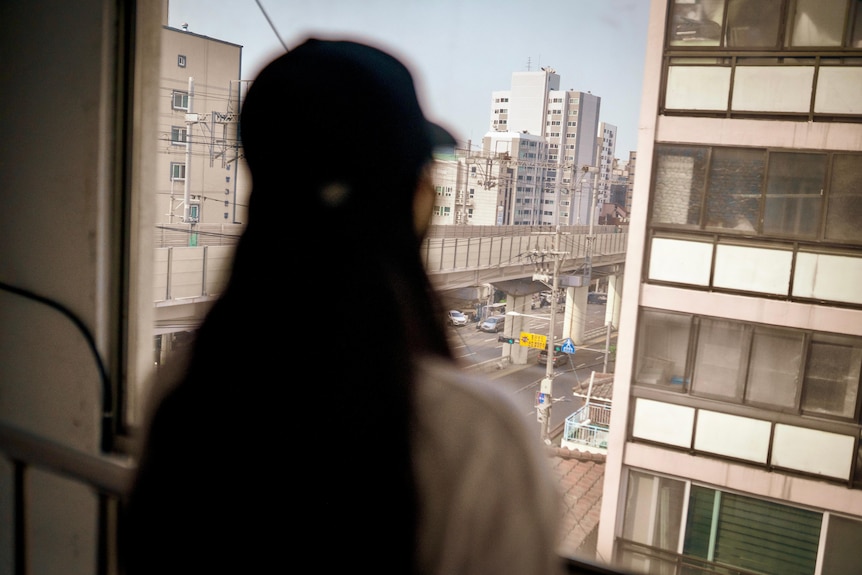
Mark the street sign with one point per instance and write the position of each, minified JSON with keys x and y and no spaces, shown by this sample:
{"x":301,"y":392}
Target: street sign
{"x":541,"y":398}
{"x":568,"y":346}
{"x":534,"y":340}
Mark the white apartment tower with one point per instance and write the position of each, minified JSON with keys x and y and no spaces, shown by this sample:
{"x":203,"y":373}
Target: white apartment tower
{"x":737,"y":414}
{"x":567,"y":121}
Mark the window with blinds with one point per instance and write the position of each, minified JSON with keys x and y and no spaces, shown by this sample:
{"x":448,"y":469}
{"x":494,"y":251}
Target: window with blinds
{"x":751,"y":534}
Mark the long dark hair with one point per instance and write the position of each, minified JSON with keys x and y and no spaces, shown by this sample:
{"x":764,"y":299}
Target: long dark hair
{"x":289,"y":435}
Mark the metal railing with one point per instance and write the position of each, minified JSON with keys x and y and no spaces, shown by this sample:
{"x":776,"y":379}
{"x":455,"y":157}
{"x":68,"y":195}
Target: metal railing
{"x":109,"y":477}
{"x":589,"y":426}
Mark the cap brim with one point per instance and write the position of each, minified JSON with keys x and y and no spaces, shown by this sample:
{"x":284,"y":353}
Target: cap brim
{"x":440,"y":136}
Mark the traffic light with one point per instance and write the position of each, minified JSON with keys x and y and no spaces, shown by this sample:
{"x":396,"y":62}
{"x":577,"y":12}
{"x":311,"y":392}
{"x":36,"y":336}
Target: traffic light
{"x":506,"y":339}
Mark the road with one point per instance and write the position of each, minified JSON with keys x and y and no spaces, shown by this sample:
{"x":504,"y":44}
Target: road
{"x":522,"y":382}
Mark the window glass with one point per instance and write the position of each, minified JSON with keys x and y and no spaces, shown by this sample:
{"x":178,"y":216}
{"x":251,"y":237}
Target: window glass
{"x":695,"y":23}
{"x":856,"y":31}
{"x":816,"y":22}
{"x":841,"y":552}
{"x":722,"y":347}
{"x":776,"y":358}
{"x":178,"y":135}
{"x":753,"y":23}
{"x":663,"y":342}
{"x":654,"y":510}
{"x":679,"y":185}
{"x":794,"y":188}
{"x":753,"y":534}
{"x":832,"y":376}
{"x":844,"y":211}
{"x":735,"y":182}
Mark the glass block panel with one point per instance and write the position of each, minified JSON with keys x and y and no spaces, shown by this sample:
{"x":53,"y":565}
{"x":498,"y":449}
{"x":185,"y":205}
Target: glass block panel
{"x":735,"y":183}
{"x":679,"y":181}
{"x":832,"y":376}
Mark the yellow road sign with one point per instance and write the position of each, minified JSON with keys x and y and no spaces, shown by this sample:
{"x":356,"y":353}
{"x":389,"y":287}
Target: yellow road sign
{"x":534,"y":340}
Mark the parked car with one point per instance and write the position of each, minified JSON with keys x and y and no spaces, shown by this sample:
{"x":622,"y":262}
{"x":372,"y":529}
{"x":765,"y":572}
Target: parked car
{"x":597,"y":297}
{"x":493,"y":324}
{"x":456,"y":317}
{"x":560,"y":358}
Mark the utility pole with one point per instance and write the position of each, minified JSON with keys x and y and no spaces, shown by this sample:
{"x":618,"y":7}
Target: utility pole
{"x":190,"y":119}
{"x":545,"y":397}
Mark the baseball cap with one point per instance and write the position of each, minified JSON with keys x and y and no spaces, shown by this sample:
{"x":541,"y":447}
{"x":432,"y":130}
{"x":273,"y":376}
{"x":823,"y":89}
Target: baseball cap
{"x":338,"y":110}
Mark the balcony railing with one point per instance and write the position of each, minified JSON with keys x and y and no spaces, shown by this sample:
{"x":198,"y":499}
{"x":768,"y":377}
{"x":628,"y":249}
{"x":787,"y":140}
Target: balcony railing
{"x":588,"y":428}
{"x":109,"y":477}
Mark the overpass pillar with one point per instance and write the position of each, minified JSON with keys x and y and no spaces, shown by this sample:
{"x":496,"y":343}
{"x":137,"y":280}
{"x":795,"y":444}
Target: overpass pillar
{"x":612,"y":309}
{"x":516,"y":353}
{"x":575,"y":316}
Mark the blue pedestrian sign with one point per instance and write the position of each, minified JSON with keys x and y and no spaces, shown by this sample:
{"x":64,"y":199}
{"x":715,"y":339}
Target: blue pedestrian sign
{"x":568,"y":346}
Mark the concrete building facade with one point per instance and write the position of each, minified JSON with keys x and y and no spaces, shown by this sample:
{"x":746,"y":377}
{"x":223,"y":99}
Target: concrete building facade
{"x":735,"y":436}
{"x":199,"y":156}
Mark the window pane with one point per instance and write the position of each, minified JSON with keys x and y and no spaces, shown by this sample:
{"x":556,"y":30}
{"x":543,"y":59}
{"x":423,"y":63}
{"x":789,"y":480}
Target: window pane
{"x":735,"y":182}
{"x":845,"y":199}
{"x":832,"y":376}
{"x":698,"y":525}
{"x":679,"y":185}
{"x":654,"y":510}
{"x":753,"y":23}
{"x":776,"y":357}
{"x":696,"y":23}
{"x":722,"y":348}
{"x":767,"y":537}
{"x":841,"y":553}
{"x":793,"y":194}
{"x":817,"y":22}
{"x":662,"y":348}
{"x":856,"y":33}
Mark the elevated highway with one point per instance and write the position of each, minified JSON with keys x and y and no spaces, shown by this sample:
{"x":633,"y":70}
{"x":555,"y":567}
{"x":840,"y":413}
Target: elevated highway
{"x":462,"y":262}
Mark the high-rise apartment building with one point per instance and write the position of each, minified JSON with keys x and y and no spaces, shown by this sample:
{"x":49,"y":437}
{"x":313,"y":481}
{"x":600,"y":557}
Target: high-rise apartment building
{"x":549,"y":184}
{"x":737,"y":413}
{"x":198,"y":111}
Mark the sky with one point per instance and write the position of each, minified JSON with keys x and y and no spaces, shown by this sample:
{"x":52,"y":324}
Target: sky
{"x":459,"y":51}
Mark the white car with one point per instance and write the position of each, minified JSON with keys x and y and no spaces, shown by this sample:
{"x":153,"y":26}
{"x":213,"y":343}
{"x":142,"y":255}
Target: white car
{"x":457,"y":318}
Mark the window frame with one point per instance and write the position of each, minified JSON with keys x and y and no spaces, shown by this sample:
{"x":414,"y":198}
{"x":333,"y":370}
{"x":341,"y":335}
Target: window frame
{"x":662,"y":376}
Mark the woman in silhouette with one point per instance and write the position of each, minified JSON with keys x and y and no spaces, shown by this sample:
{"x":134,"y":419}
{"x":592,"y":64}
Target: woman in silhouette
{"x":345,"y":443}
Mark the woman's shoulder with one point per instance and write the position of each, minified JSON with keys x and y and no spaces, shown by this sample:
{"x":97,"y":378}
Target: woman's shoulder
{"x":489,"y":502}
{"x":452,"y":394}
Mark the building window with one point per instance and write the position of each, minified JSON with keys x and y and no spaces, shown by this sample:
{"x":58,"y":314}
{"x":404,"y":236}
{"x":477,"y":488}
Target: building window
{"x":180,"y":100}
{"x":723,"y":532}
{"x":844,"y":204}
{"x":181,"y":61}
{"x":756,"y":23}
{"x":726,"y":528}
{"x":781,"y":369}
{"x":178,"y":171}
{"x":178,"y":135}
{"x":832,"y":374}
{"x":757,"y":191}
